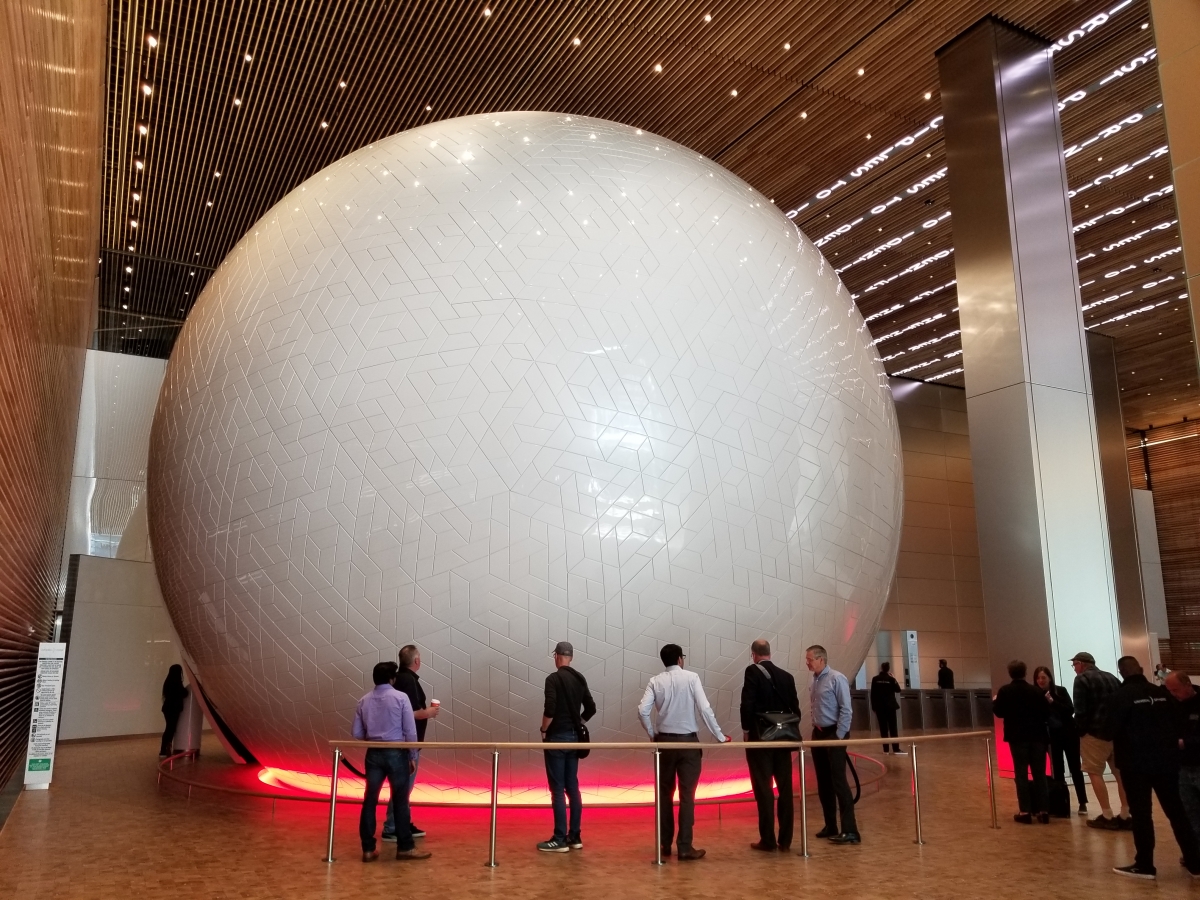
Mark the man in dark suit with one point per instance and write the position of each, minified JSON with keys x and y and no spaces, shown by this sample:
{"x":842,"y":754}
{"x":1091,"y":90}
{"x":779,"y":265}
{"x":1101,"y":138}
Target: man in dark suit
{"x":945,"y":676}
{"x":884,"y":689}
{"x":1025,"y":713}
{"x":768,"y":688}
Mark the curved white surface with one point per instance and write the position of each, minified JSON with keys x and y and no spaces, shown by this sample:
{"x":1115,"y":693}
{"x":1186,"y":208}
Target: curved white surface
{"x":507,"y":380}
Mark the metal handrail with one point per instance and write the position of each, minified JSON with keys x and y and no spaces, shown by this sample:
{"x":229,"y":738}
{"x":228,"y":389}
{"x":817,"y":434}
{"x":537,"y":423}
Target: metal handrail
{"x":802,"y":746}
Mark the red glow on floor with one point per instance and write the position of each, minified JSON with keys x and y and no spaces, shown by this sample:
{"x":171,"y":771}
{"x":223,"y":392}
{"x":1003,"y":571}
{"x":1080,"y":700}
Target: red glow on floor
{"x":353,"y":787}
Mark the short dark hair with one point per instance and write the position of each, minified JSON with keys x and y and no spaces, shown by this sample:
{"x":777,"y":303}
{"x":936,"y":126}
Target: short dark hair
{"x":761,"y":647}
{"x":408,"y":653}
{"x":1016,"y":669}
{"x":1128,"y":665}
{"x":818,"y":652}
{"x":671,"y":654}
{"x":885,"y":667}
{"x":384,"y":672}
{"x":941,"y":662}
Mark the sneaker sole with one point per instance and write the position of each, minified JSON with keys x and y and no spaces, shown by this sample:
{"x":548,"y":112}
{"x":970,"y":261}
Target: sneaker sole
{"x":1140,"y":875}
{"x":555,"y":849}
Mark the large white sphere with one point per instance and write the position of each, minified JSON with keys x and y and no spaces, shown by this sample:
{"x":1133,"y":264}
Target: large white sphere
{"x":507,"y":380}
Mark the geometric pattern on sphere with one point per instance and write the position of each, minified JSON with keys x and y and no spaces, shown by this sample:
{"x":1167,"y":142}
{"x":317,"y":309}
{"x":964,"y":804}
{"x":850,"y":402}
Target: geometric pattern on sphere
{"x":501,"y":381}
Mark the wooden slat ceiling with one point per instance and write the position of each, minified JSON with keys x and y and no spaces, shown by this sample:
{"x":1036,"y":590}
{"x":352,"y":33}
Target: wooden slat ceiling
{"x":268,"y":93}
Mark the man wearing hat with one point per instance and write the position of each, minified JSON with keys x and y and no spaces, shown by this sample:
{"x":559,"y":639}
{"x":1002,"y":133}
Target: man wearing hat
{"x":1092,"y":694}
{"x":566,"y":695}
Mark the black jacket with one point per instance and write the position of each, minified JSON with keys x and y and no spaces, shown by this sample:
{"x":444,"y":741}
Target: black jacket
{"x":409,"y":682}
{"x":1143,"y":727}
{"x":1062,"y":710}
{"x":760,"y":695}
{"x":946,"y":678}
{"x":566,"y":692}
{"x":1024,"y":710}
{"x":884,"y":689}
{"x":1187,"y":716}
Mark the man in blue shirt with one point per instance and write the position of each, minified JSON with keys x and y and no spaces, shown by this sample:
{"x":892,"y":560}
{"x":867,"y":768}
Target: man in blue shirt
{"x":386,"y":714}
{"x":829,"y":706}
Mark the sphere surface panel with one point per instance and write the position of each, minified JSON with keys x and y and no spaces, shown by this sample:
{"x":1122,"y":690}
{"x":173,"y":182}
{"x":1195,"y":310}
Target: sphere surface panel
{"x":507,"y":380}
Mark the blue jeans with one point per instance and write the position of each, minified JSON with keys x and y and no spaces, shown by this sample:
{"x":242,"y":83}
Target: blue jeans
{"x":562,"y":774}
{"x":389,"y":824}
{"x":1189,"y":793}
{"x":393,"y":765}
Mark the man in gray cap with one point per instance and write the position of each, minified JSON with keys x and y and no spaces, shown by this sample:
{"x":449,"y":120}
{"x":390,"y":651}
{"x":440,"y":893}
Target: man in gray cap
{"x":1092,"y":693}
{"x":562,"y":722}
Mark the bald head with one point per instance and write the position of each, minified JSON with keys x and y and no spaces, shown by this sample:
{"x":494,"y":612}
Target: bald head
{"x":1180,"y":686}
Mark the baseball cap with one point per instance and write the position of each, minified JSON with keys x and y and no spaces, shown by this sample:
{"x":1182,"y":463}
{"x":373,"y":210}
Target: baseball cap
{"x":564,"y":648}
{"x":1084,"y":657}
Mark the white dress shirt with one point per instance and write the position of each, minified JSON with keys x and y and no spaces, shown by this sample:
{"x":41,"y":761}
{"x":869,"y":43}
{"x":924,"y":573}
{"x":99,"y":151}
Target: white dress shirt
{"x":677,"y":693}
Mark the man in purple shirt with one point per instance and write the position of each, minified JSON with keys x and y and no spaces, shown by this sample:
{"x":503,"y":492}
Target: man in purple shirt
{"x":386,"y":714}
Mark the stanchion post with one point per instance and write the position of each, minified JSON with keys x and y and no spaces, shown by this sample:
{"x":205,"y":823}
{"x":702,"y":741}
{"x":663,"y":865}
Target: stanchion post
{"x":333,"y":789}
{"x":491,"y":863}
{"x":991,"y":783}
{"x":803,"y":806}
{"x":916,"y":794}
{"x":657,"y":809}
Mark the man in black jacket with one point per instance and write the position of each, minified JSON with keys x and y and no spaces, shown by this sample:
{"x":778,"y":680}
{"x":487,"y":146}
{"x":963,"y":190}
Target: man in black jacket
{"x":408,"y":682}
{"x":566,"y":694}
{"x":1025,"y":712}
{"x":945,"y":676}
{"x":884,"y":690}
{"x":768,"y":688}
{"x":1146,"y":742}
{"x":1187,"y":714}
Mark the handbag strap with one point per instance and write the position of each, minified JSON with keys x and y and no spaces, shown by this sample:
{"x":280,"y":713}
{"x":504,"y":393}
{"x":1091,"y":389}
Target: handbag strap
{"x":572,"y":708}
{"x":771,"y":683}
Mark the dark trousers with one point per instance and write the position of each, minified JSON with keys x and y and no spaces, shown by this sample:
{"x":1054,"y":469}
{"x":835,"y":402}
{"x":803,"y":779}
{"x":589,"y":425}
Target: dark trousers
{"x":832,"y":788}
{"x":682,"y":766}
{"x":1165,"y":784}
{"x":393,"y":765}
{"x":1029,"y":758}
{"x":562,"y":775}
{"x":1064,"y":744}
{"x":168,"y":737}
{"x":887,"y":727}
{"x":389,"y":824}
{"x":767,"y":766}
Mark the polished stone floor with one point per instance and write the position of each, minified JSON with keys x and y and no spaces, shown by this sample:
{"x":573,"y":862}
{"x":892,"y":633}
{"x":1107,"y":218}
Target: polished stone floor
{"x":107,"y":830}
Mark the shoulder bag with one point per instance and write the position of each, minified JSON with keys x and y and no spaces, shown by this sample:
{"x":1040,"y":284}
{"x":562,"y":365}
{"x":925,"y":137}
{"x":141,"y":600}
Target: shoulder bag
{"x":776,"y":726}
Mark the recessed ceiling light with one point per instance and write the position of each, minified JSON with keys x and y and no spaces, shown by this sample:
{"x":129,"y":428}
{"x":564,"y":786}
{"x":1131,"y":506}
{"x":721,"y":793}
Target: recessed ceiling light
{"x":733,"y":93}
{"x":576,"y":42}
{"x":127,"y":289}
{"x":341,"y":84}
{"x":324,"y":124}
{"x":862,"y":71}
{"x":136,"y":196}
{"x":129,"y":269}
{"x":209,"y":203}
{"x":868,"y":137}
{"x":147,"y":88}
{"x":929,"y":95}
{"x":1145,"y":25}
{"x":787,"y":46}
{"x":707,"y":17}
{"x":658,"y":67}
{"x":138,"y":164}
{"x":124,"y":306}
{"x":216,"y":174}
{"x":804,"y":115}
{"x":428,"y":108}
{"x":143,"y":130}
{"x":487,"y":11}
{"x":133,"y":223}
{"x":248,"y":58}
{"x":131,"y":247}
{"x":151,"y":40}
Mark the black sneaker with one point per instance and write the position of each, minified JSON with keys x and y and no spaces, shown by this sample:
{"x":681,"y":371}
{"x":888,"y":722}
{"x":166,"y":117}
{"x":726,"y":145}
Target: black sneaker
{"x":1136,"y":872}
{"x":418,"y":831}
{"x":848,"y":837}
{"x":575,"y":843}
{"x":390,"y":838}
{"x":554,"y":846}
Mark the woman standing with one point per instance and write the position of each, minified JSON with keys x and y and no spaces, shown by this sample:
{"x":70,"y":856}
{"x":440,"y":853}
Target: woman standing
{"x":1064,"y":739}
{"x":173,"y":693}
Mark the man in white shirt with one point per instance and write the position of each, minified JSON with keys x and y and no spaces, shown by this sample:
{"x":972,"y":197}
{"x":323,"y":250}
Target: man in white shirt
{"x":676,"y":694}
